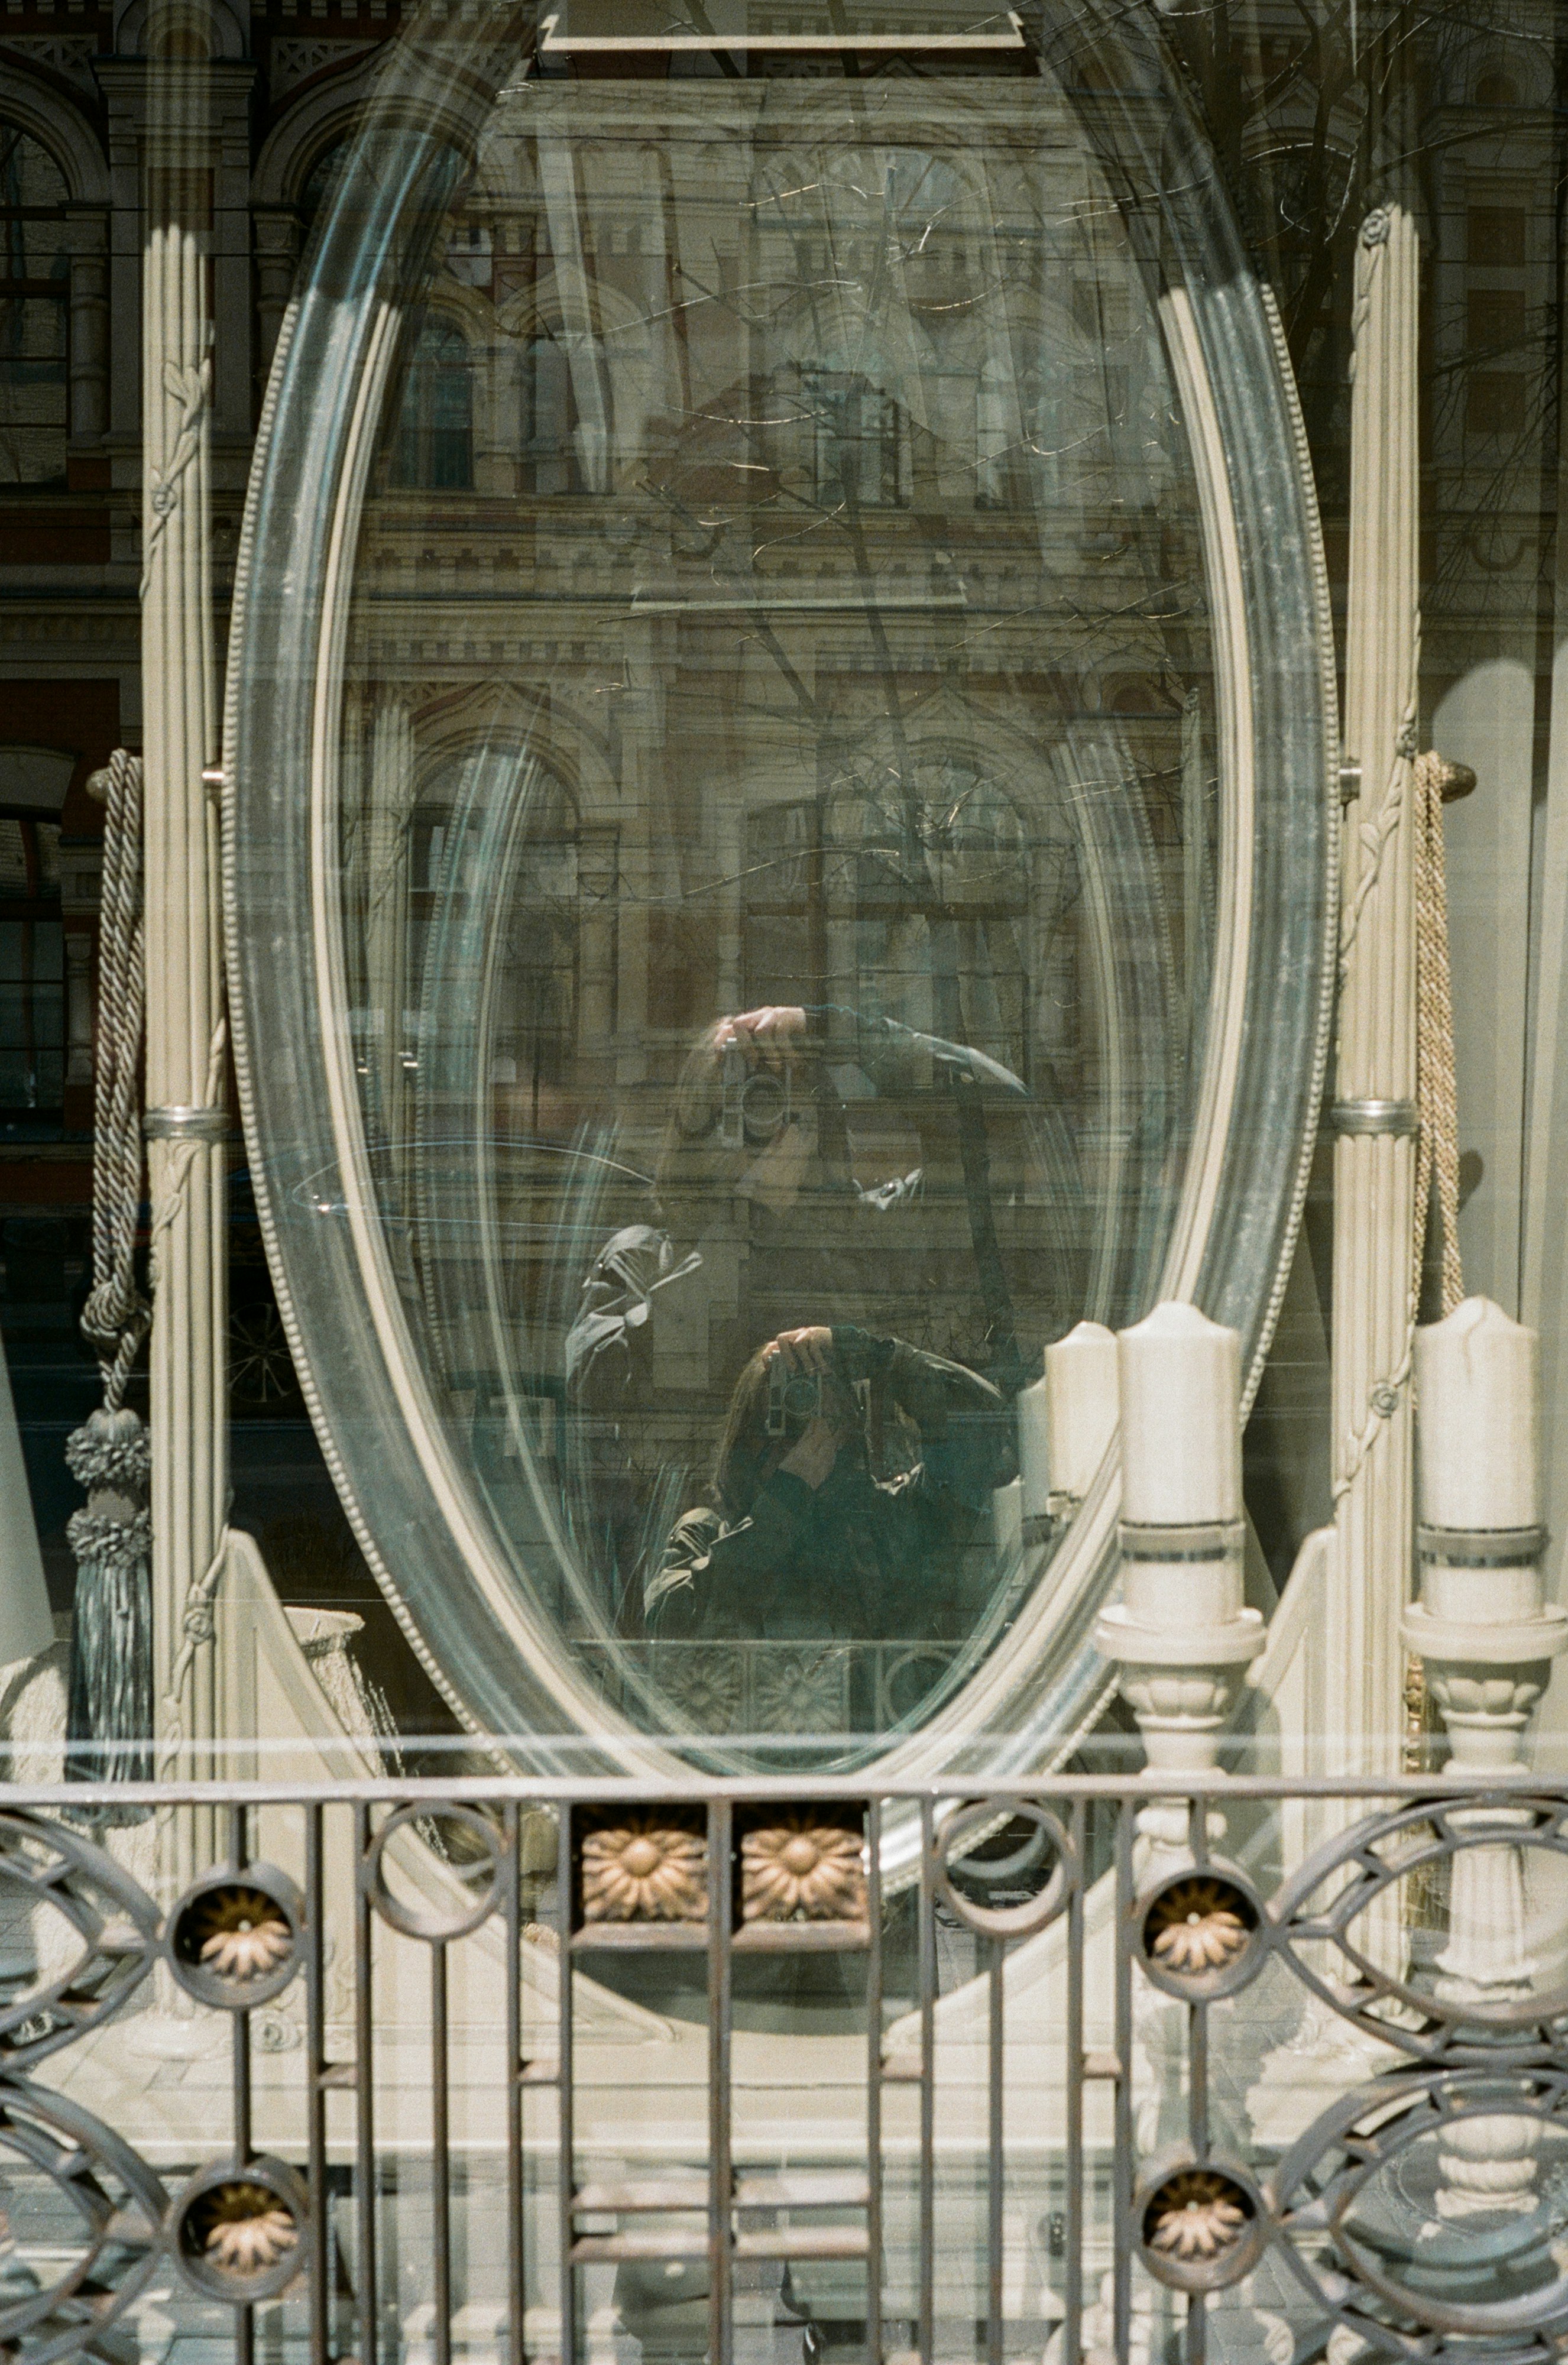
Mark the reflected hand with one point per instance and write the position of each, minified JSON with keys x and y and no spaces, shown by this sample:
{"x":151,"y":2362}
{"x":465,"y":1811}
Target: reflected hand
{"x":814,"y":1453}
{"x":768,"y":1034}
{"x":809,"y":1349}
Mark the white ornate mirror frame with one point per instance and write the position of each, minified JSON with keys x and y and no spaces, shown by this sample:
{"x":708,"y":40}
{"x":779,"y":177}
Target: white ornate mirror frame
{"x":491,"y":1651}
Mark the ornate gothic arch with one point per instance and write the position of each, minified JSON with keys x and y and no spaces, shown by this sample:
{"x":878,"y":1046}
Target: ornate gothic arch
{"x":57,"y":123}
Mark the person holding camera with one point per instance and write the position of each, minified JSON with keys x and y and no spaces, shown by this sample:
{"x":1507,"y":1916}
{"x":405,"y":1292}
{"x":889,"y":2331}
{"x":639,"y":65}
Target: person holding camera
{"x":804,"y":1538}
{"x":759,"y":1123}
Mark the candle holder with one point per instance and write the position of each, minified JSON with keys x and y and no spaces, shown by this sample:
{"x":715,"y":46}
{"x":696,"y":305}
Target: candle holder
{"x":1181,"y":1634}
{"x":1182,"y":1639}
{"x":1486,"y":1638}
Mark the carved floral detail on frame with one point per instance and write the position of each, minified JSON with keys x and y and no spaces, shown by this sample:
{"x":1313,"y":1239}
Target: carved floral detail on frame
{"x":797,"y":1869}
{"x":645,"y":1869}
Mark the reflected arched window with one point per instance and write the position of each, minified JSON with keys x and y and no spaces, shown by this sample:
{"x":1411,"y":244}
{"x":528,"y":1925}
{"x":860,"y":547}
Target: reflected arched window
{"x":434,"y":449}
{"x":566,"y":414}
{"x":320,"y":182}
{"x":534,"y":1036}
{"x":859,"y":441}
{"x":34,"y":293}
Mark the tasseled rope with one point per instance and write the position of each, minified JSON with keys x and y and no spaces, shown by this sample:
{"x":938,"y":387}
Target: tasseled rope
{"x":110,"y":1715}
{"x":1437,"y":1148}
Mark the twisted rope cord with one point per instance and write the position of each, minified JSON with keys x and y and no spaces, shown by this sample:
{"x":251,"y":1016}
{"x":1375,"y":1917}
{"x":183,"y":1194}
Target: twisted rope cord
{"x":1437,"y":1094}
{"x":198,"y":1627}
{"x":177,"y":1173}
{"x":1437,"y":1156}
{"x":1376,"y":836}
{"x":115,"y":1318}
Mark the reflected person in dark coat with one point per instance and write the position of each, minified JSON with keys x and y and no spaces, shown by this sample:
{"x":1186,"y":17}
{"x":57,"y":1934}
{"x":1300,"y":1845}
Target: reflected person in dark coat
{"x":801,"y":1541}
{"x":759,"y":1124}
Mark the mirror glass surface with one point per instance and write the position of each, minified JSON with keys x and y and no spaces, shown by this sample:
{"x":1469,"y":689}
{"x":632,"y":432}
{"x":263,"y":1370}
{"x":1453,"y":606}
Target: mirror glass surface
{"x":767,"y":846}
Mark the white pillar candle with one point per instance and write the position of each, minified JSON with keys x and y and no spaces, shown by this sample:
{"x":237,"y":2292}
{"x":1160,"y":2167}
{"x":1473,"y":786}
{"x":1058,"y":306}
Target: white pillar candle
{"x":1477,"y":1446}
{"x":1181,"y":1389}
{"x":1081,"y":1404}
{"x":1034,"y":1448}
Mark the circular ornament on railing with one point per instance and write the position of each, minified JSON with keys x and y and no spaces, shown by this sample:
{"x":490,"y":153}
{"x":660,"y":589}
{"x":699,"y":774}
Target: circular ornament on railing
{"x":1443,"y":2012}
{"x":115,"y":1925}
{"x":1201,"y":2225}
{"x":482,"y":1873}
{"x":234,"y":1939}
{"x":117,"y":2201}
{"x":1201,"y":1933}
{"x":1422,"y":2211}
{"x":1047,"y":1842}
{"x":242,"y":2234}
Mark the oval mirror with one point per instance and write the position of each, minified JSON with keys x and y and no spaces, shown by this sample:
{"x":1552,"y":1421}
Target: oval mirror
{"x":779,"y":760}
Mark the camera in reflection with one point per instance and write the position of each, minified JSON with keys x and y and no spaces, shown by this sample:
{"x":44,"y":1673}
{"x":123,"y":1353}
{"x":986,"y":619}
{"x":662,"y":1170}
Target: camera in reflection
{"x":756,"y":1104}
{"x":794,"y":1399}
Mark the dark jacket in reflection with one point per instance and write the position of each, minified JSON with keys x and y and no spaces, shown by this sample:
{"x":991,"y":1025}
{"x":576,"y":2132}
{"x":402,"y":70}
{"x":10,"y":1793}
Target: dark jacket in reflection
{"x":861,"y":1558}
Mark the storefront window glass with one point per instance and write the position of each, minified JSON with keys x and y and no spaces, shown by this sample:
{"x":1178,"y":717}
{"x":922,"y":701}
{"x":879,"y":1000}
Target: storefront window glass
{"x":777,"y":846}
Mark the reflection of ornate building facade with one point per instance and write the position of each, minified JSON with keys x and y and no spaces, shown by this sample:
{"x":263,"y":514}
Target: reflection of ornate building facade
{"x":780,"y":583}
{"x":820,"y":561}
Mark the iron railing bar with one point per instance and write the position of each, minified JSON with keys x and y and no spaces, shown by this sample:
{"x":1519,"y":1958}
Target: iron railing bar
{"x":1072,"y":2197}
{"x":926,"y":1906}
{"x":364,"y":2106}
{"x":320,"y":2285}
{"x":441,"y":2160}
{"x":1122,"y":2143}
{"x":874,"y":2083}
{"x":239,"y":2039}
{"x":658,"y":1789}
{"x":1198,"y":2079}
{"x":996,"y":2000}
{"x":1198,"y":1832}
{"x":565,"y":2149}
{"x":516,"y":2286}
{"x":720,"y":2174}
{"x":1198,"y":2136}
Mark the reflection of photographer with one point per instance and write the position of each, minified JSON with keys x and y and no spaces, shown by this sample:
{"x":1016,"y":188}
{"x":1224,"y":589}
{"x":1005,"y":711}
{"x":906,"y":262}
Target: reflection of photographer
{"x":760,"y":1124}
{"x":802,"y":1538}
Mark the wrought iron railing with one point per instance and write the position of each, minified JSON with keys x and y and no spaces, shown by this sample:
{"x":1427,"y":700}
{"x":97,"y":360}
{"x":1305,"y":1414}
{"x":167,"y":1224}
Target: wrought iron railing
{"x":1057,"y":2087}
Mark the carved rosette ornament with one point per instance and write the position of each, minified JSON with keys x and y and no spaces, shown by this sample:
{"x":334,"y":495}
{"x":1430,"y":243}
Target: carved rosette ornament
{"x":794,"y":1870}
{"x":1195,"y":1927}
{"x":240,"y":1933}
{"x":1198,"y":2214}
{"x":645,"y":1869}
{"x":251,"y":2230}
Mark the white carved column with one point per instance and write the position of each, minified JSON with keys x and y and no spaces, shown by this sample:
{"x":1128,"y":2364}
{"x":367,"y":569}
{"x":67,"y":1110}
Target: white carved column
{"x":1487,"y":1639}
{"x":186,"y":1118}
{"x":1374,"y":1112}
